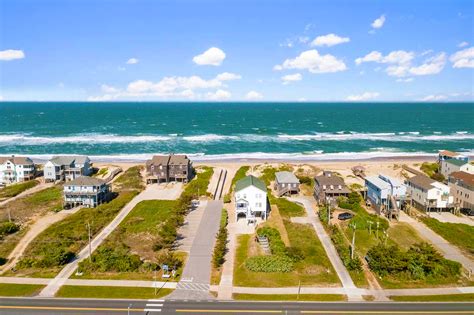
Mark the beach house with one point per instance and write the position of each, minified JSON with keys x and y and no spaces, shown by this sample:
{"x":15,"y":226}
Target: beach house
{"x":168,"y":168}
{"x":85,"y":191}
{"x":286,"y":183}
{"x":251,"y":199}
{"x":381,"y":188}
{"x":16,"y":169}
{"x":445,"y":155}
{"x":428,"y":194}
{"x":329,"y":185}
{"x":456,"y":165}
{"x":67,"y":168}
{"x":461,"y":185}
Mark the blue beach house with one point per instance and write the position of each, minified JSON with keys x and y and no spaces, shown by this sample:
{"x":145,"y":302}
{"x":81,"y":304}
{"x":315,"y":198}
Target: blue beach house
{"x":381,"y":187}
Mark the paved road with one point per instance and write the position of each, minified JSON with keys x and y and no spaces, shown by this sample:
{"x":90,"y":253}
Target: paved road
{"x":195,"y":280}
{"x":52,"y":288}
{"x":95,"y":306}
{"x":333,"y":256}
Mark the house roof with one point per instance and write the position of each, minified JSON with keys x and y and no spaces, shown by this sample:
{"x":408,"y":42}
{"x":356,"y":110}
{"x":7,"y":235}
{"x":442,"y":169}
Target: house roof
{"x":69,"y":159}
{"x":329,"y":178}
{"x":448,"y":153}
{"x":422,"y":181}
{"x":378,"y":182}
{"x":86,"y":181}
{"x":456,"y":162}
{"x":250,"y":181}
{"x":178,"y":159}
{"x":464,"y":177}
{"x":21,"y":160}
{"x":158,"y":159}
{"x":286,"y":177}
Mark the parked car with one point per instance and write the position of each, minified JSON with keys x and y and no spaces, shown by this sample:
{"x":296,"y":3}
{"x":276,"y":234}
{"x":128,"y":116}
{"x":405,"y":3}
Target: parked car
{"x":345,"y":216}
{"x":467,"y":211}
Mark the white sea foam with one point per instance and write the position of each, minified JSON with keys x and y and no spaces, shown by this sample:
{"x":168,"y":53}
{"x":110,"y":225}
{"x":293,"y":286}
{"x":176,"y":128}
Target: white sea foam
{"x":99,"y":138}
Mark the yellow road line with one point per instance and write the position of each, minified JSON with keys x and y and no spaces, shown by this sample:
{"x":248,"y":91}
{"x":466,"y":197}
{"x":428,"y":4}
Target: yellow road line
{"x":61,"y":308}
{"x":386,"y":312}
{"x":227,"y":311}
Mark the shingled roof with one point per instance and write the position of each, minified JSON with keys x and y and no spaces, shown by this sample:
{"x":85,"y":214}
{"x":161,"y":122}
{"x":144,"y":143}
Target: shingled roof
{"x":250,"y":181}
{"x":422,"y":181}
{"x":19,"y":160}
{"x":86,"y":181}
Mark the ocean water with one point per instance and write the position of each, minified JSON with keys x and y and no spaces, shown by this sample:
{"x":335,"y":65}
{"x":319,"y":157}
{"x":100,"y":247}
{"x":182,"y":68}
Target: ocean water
{"x":134,"y":131}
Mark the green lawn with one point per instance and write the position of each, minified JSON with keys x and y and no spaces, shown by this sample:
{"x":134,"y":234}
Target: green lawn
{"x":289,"y":297}
{"x":461,"y":235}
{"x":16,"y":189}
{"x":287,"y":208}
{"x":9,"y":289}
{"x":467,"y":297}
{"x":69,"y":291}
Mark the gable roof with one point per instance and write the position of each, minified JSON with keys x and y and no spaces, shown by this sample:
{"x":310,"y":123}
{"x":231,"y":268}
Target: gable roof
{"x":250,"y":181}
{"x":328,"y":179}
{"x":158,"y":159}
{"x":422,"y":181}
{"x":286,"y":177}
{"x":19,"y":160}
{"x":69,"y":159}
{"x":467,"y":178}
{"x":85,"y":181}
{"x":178,"y":159}
{"x":448,"y":153}
{"x":456,"y":162}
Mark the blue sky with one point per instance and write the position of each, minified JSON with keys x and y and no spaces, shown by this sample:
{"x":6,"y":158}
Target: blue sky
{"x":237,"y":50}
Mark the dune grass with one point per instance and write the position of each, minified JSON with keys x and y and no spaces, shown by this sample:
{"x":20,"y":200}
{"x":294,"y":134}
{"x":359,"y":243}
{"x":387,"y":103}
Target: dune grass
{"x":16,"y":189}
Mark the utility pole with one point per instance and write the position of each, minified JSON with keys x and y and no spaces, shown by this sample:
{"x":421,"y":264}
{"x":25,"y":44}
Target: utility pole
{"x":90,"y":245}
{"x":370,"y":226}
{"x":353,"y":240}
{"x":378,"y":223}
{"x":386,"y":236}
{"x":155,"y":284}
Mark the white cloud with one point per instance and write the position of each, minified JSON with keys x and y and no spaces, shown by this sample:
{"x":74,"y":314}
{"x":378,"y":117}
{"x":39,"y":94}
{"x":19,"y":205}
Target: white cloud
{"x":213,"y":57}
{"x":373,"y":56}
{"x":432,"y":65}
{"x":399,"y":56}
{"x":406,"y":80}
{"x":132,"y":61}
{"x":253,"y":95}
{"x":378,"y":23}
{"x":431,"y":98}
{"x":291,"y":78}
{"x":463,"y":58}
{"x":219,"y":95}
{"x":363,"y":97}
{"x":463,"y":44}
{"x":11,"y":54}
{"x":227,"y":76}
{"x":329,"y":40}
{"x":108,"y":89}
{"x":312,"y":61}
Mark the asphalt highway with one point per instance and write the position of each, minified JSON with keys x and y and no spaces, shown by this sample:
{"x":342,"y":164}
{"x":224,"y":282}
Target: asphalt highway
{"x":55,"y":306}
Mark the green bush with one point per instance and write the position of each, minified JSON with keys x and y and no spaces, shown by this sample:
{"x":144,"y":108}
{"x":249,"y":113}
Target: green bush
{"x":306,"y":180}
{"x":8,"y":227}
{"x":167,"y":257}
{"x":361,"y":217}
{"x":421,"y":261}
{"x":221,"y":241}
{"x":277,"y":247}
{"x":432,"y":170}
{"x":111,"y":259}
{"x":271,"y":263}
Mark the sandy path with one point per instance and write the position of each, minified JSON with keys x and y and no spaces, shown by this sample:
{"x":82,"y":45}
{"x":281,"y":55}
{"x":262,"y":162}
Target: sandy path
{"x":27,"y":192}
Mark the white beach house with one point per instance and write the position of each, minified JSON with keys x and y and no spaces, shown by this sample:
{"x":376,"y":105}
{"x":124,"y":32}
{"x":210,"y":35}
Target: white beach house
{"x":456,"y":165}
{"x":16,"y":169}
{"x":381,"y":187}
{"x":85,"y":191}
{"x":67,"y":168}
{"x":428,"y":194}
{"x":251,"y":198}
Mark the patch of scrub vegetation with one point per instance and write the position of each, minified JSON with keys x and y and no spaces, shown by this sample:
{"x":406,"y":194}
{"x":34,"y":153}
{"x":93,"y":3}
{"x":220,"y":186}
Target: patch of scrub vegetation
{"x":69,"y":291}
{"x":461,"y":235}
{"x":59,"y":243}
{"x":241,"y":173}
{"x":419,"y":265}
{"x":220,"y":249}
{"x":130,"y":180}
{"x":268,"y":173}
{"x":287,"y":208}
{"x":144,"y":241}
{"x":432,"y":170}
{"x":16,"y":189}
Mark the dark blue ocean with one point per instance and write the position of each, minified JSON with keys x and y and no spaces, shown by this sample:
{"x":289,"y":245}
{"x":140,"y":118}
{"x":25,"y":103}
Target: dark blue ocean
{"x":235,"y":130}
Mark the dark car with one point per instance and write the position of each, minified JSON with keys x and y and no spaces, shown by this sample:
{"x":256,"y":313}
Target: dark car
{"x":345,"y":216}
{"x":467,"y":211}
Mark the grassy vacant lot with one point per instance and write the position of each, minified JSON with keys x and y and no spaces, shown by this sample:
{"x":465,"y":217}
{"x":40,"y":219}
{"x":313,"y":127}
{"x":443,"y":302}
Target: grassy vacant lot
{"x":130,"y":180}
{"x":16,"y":189}
{"x":69,"y":291}
{"x":467,"y":297}
{"x":289,"y":297}
{"x":24,"y":210}
{"x":287,"y":208}
{"x":60,"y":242}
{"x":461,"y":235}
{"x":10,"y":289}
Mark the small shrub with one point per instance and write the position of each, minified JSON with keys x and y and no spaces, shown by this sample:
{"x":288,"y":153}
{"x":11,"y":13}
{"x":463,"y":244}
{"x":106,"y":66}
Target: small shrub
{"x":221,"y":241}
{"x":269,"y":264}
{"x":7,"y":228}
{"x":167,"y":257}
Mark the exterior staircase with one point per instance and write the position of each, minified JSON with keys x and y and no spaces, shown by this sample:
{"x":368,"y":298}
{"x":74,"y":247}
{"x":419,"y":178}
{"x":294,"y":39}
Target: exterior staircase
{"x":264,"y":244}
